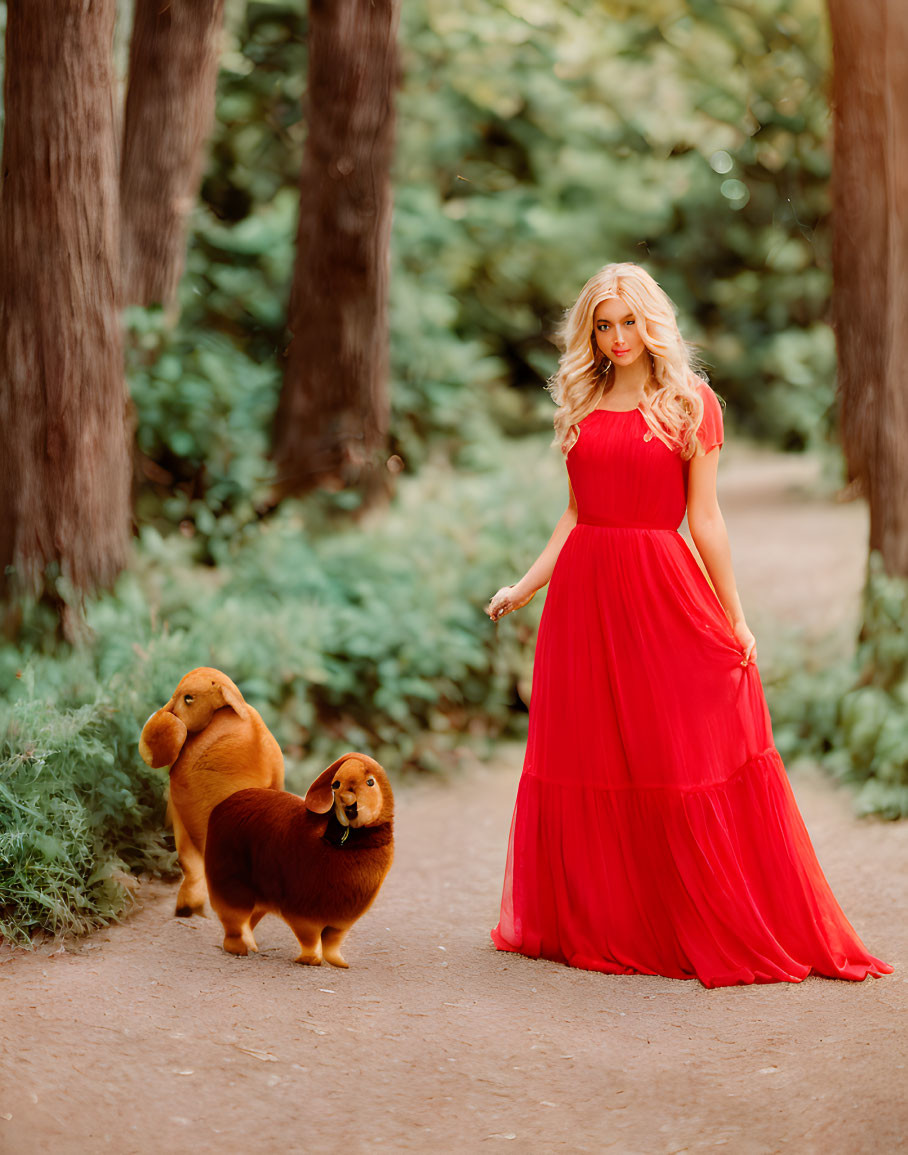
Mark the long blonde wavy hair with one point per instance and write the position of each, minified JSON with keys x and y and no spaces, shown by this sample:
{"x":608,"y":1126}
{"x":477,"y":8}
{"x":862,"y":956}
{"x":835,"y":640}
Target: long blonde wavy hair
{"x":672,"y":406}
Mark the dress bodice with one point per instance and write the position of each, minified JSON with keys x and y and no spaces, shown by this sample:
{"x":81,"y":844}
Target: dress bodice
{"x":622,"y":475}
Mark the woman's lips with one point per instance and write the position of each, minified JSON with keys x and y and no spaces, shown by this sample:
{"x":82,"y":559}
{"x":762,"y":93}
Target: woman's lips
{"x":620,"y":352}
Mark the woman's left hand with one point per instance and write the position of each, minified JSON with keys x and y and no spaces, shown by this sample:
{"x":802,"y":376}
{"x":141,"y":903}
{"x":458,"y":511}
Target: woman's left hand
{"x":746,"y":641}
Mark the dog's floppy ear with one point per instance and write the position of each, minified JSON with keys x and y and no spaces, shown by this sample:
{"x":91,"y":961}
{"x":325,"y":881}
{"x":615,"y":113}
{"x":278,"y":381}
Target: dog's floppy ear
{"x":233,"y":698}
{"x":162,"y":739}
{"x":320,"y":796}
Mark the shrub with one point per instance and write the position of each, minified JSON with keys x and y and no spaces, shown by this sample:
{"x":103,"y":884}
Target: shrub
{"x":78,"y":813}
{"x":853,"y":717}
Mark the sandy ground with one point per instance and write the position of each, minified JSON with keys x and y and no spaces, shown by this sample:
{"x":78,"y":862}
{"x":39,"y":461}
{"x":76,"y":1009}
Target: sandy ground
{"x":146,"y":1037}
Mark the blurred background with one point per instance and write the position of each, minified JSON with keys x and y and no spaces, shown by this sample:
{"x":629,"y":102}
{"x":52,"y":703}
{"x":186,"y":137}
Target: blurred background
{"x":534,"y":141}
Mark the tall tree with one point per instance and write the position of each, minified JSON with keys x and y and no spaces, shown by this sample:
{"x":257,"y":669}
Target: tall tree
{"x":332,"y":417}
{"x":64,"y":437}
{"x":173,"y":66}
{"x":870,"y":258}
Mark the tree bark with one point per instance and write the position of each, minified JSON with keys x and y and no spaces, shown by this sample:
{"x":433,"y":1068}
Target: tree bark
{"x":173,"y":67}
{"x":64,"y":435}
{"x":332,"y":417}
{"x":870,"y":258}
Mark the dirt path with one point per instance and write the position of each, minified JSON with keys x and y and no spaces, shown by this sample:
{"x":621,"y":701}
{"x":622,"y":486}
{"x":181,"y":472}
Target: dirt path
{"x":148,"y":1038}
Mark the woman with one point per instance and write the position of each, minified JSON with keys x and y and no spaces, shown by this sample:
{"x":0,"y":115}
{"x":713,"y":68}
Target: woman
{"x":654,"y":831}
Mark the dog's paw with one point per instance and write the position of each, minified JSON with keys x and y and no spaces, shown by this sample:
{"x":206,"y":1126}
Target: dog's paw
{"x":337,"y":960}
{"x":236,"y":944}
{"x":184,"y":910}
{"x":309,"y":960}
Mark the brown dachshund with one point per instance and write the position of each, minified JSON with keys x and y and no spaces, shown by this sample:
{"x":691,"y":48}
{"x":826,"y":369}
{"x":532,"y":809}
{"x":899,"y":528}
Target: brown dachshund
{"x":318,"y":862}
{"x":214,"y":743}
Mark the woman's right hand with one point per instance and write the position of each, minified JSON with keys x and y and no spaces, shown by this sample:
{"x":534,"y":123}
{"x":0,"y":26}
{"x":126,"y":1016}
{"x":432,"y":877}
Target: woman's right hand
{"x":745,"y":640}
{"x":507,"y":599}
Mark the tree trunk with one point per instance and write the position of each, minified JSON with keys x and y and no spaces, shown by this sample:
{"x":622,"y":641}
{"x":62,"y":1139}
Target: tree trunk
{"x":173,"y":67}
{"x":64,"y":437}
{"x":332,"y":417}
{"x":870,"y":258}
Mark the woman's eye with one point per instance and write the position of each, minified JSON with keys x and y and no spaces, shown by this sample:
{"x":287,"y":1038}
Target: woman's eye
{"x":370,"y":781}
{"x":602,"y":326}
{"x":187,"y":698}
{"x":335,"y":785}
{"x":630,"y":322}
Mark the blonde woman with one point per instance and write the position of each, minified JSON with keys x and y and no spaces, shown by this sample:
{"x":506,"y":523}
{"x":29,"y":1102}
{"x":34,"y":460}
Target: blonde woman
{"x":654,"y":830}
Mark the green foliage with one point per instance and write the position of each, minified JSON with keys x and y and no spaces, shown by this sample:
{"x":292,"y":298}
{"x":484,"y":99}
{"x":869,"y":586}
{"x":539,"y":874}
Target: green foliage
{"x":204,"y":410}
{"x":78,"y":811}
{"x":691,"y":136}
{"x":374,"y":638}
{"x":854,"y":717}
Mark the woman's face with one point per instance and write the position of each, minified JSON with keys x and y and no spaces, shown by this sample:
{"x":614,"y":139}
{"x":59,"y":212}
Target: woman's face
{"x":616,"y":332}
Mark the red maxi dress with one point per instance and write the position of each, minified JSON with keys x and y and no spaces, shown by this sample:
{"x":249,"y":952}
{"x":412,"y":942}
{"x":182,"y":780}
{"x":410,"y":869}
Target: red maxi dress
{"x":655,"y":831}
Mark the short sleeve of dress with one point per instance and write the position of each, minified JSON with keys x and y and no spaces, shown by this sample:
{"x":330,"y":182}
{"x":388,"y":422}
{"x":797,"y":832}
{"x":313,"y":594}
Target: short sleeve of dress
{"x":710,"y":434}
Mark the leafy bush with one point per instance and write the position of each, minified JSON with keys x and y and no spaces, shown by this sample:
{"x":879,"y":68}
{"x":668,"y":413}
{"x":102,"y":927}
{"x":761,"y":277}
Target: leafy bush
{"x":853,"y":717}
{"x":691,"y":137}
{"x":78,"y":813}
{"x":374,"y":638}
{"x":204,"y":410}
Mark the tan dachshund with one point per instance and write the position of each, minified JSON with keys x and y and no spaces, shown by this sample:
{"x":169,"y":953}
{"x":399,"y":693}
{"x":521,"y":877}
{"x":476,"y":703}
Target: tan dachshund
{"x":318,"y":862}
{"x":215,"y":743}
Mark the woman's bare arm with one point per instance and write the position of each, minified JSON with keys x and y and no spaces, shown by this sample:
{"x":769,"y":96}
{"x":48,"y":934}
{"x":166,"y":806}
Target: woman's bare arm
{"x":707,"y":529}
{"x":513,"y":597}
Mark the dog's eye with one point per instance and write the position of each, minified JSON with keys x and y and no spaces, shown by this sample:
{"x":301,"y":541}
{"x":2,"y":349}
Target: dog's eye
{"x":187,"y":698}
{"x":335,"y":785}
{"x":370,"y":781}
